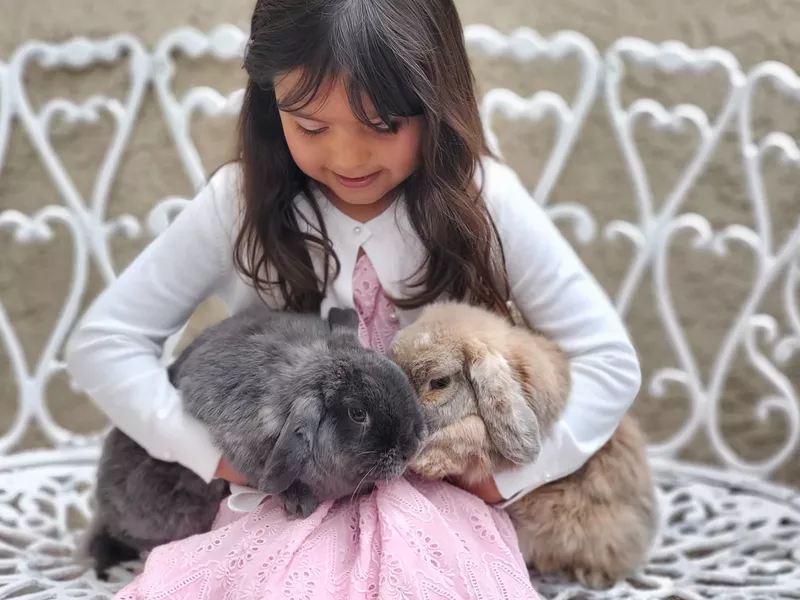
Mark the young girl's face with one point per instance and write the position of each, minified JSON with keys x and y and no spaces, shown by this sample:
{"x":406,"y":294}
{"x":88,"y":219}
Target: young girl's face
{"x":359,"y":167}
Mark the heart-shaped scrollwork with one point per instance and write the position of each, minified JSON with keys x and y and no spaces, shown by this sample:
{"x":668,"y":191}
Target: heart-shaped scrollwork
{"x":525,"y":45}
{"x":750,"y":331}
{"x":773,"y":261}
{"x":672,"y":56}
{"x":225,"y":43}
{"x":32,"y":381}
{"x":82,"y":53}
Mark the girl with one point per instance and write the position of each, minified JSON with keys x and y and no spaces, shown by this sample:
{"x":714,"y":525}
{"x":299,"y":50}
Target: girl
{"x":363,"y":181}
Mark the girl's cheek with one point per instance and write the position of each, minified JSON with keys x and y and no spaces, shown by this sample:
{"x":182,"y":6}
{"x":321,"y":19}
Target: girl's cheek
{"x":413,"y":135}
{"x":304,"y":154}
{"x":409,"y":144}
{"x":300,"y":147}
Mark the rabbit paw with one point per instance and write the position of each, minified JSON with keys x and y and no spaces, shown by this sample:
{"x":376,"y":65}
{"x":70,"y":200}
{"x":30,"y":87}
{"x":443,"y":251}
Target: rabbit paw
{"x":594,"y":579}
{"x":433,"y":465}
{"x":108,"y":552}
{"x":299,"y":501}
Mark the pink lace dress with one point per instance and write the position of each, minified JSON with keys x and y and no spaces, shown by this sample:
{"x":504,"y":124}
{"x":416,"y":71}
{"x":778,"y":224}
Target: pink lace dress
{"x":407,"y":539}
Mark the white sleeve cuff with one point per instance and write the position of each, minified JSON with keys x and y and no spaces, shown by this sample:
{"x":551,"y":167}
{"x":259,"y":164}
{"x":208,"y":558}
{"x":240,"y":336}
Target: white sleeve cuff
{"x":189,"y":443}
{"x":560,"y":456}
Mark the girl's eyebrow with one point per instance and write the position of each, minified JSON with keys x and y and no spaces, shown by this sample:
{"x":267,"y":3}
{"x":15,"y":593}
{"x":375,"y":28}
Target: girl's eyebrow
{"x":304,"y":115}
{"x":310,"y":116}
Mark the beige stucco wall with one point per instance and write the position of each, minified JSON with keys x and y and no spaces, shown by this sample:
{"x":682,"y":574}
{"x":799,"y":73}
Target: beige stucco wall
{"x":707,"y":292}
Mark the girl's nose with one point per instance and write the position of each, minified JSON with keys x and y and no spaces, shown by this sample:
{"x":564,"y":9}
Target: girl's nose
{"x":349,"y":155}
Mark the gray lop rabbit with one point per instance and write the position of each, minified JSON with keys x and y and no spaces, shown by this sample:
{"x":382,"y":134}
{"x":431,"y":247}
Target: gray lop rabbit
{"x":294,"y":403}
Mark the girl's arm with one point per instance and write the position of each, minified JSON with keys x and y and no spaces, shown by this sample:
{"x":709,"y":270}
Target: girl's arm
{"x":559,"y":297}
{"x":114,"y":355}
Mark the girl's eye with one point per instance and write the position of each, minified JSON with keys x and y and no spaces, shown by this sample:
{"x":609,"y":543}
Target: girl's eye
{"x":390,"y":128}
{"x":310,"y":132}
{"x":440,"y":383}
{"x":358,"y":415}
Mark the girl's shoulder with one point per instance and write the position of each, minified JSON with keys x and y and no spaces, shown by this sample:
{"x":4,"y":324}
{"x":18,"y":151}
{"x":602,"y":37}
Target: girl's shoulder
{"x":498,"y":180}
{"x":227,"y":177}
{"x":222,"y":197}
{"x":505,"y":195}
{"x":226,"y":185}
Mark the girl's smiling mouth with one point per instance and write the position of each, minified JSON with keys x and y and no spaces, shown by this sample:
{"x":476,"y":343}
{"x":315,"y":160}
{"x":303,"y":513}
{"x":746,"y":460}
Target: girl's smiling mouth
{"x":357,"y":182}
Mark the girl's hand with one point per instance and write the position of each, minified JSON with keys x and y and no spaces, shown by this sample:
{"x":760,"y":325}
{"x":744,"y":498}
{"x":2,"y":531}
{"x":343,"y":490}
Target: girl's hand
{"x":485,"y":490}
{"x":228,"y":473}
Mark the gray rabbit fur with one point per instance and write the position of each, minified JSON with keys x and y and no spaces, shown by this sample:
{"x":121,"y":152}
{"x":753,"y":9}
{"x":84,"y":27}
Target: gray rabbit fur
{"x":296,"y":404}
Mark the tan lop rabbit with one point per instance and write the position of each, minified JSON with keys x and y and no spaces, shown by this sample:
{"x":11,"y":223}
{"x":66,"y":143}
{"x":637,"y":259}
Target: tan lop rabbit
{"x":491,"y":392}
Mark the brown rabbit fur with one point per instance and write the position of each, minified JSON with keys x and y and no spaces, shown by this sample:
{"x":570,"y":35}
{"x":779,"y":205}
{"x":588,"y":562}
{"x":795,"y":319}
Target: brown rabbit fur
{"x":491,"y":392}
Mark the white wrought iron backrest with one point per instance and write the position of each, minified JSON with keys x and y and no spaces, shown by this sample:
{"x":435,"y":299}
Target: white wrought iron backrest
{"x":651,"y":235}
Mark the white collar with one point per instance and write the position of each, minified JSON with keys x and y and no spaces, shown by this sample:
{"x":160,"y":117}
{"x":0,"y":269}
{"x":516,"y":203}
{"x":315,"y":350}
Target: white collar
{"x":244,"y":499}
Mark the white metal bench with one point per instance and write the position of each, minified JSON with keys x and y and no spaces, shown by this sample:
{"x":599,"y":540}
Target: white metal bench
{"x":728,"y":532}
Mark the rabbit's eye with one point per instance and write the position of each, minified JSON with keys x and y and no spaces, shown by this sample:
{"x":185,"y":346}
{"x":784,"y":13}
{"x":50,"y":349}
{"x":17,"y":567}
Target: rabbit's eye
{"x":440,"y":383}
{"x":358,"y":415}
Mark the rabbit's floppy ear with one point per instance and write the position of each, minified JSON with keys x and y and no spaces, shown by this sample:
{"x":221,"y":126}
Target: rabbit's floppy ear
{"x":343,"y":318}
{"x":512,"y":424}
{"x":293,"y":447}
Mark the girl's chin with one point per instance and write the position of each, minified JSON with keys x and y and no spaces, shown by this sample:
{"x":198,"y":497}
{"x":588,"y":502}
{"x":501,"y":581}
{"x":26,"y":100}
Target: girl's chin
{"x":363,"y":196}
{"x":377,"y":196}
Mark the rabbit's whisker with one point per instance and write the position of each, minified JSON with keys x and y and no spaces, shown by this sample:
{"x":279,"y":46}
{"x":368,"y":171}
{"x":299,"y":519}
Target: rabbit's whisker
{"x":358,"y":487}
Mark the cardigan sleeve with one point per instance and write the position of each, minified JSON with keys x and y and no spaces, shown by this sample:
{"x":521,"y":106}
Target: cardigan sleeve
{"x":114,"y":354}
{"x":558,"y":296}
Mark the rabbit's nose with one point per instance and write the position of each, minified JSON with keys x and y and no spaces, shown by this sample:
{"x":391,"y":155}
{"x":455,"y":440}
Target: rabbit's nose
{"x":412,"y":448}
{"x":408,"y":456}
{"x":421,"y":431}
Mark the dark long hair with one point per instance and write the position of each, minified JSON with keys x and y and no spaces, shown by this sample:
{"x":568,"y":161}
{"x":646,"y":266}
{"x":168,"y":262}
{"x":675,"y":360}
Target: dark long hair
{"x":408,"y":58}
